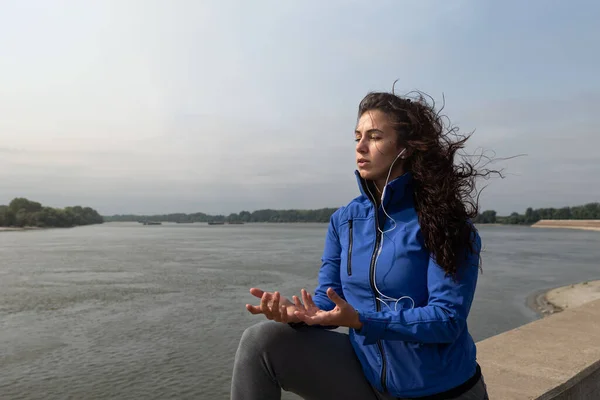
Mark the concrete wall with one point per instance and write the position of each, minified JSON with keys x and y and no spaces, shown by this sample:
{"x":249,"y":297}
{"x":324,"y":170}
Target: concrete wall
{"x":584,"y":386}
{"x":557,"y":357}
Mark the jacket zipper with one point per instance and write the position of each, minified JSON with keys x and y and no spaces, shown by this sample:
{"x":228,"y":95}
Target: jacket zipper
{"x":350,"y":248}
{"x":377,"y":304}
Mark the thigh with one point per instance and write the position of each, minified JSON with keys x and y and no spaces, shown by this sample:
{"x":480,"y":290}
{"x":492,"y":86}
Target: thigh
{"x":314,"y":363}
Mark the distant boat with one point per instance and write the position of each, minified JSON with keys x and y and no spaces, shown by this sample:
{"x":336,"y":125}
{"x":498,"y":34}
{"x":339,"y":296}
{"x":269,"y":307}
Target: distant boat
{"x":152,"y":223}
{"x":216,"y":222}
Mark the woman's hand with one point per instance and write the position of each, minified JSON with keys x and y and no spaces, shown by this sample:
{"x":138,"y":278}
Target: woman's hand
{"x":275,"y":307}
{"x":342,"y":315}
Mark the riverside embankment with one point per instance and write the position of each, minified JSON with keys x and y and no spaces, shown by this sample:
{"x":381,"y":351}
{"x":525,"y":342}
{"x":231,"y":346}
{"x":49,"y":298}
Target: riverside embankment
{"x":556,"y":357}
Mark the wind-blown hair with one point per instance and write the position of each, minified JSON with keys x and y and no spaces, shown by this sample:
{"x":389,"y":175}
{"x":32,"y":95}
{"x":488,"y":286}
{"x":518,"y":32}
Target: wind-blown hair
{"x":445,"y":194}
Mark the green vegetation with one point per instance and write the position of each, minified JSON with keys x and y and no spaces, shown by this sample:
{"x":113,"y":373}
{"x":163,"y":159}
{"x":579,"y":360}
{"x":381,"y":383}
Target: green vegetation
{"x":22,"y":212}
{"x":25,"y":213}
{"x":531,"y":216}
{"x":320,"y":215}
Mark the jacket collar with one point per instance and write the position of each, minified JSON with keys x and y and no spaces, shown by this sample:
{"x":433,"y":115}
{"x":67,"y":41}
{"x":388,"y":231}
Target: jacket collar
{"x":396,"y":189}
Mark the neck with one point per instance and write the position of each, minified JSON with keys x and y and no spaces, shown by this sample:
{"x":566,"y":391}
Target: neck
{"x":380,"y":183}
{"x":370,"y":188}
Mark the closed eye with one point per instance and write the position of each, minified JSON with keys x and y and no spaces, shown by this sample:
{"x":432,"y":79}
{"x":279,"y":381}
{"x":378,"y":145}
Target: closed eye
{"x":374,"y":134}
{"x":371,"y":137}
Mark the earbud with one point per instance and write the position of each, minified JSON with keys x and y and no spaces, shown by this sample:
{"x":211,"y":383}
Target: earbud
{"x":402,"y":152}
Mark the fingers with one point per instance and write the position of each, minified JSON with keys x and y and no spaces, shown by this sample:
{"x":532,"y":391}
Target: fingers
{"x":332,"y":294}
{"x":278,"y":308}
{"x":284,"y":314}
{"x":275,"y":309}
{"x":257,"y":292}
{"x":253,"y":309}
{"x":298,"y":303}
{"x":307,"y":299}
{"x":264,"y":305}
{"x":270,"y":305}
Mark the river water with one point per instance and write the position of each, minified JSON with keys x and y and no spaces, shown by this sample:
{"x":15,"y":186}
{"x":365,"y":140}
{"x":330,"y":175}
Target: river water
{"x":126,"y":311}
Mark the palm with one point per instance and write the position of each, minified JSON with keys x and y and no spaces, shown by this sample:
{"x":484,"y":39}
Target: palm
{"x":343,"y":314}
{"x":290,"y":308}
{"x":313,"y":311}
{"x":274,"y":306}
{"x":318,"y":316}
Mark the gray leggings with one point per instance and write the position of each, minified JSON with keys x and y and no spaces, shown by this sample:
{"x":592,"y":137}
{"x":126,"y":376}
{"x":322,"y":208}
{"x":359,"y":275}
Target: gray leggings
{"x":313,"y":363}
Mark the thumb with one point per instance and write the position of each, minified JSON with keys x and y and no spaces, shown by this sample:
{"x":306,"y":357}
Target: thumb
{"x":332,"y":294}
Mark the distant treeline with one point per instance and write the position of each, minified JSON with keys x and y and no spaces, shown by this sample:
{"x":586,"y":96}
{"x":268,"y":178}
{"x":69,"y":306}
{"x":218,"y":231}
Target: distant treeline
{"x":320,"y":215}
{"x":531,"y":216}
{"x":22,"y":212}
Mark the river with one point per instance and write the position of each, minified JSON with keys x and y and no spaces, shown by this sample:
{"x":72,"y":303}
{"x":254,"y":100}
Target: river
{"x":126,"y":311}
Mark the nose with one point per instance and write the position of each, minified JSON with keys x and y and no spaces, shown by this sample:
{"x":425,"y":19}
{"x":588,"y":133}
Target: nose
{"x":361,"y":146}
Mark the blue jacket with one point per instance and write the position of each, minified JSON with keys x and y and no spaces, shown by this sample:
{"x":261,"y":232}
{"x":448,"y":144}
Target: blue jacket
{"x":406,"y":349}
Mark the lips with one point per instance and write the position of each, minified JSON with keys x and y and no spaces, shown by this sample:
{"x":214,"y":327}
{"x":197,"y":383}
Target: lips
{"x":362,"y":162}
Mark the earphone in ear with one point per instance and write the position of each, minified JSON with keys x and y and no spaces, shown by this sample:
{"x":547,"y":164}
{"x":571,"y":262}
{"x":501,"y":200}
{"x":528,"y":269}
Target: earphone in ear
{"x":402,"y":152}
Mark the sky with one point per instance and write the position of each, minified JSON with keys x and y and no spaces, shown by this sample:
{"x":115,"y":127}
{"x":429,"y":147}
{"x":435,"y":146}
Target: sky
{"x":154,"y":107}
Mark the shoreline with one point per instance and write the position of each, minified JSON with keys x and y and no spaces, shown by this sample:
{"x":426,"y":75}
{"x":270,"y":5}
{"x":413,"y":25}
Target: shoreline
{"x":546,"y":302}
{"x":19,"y":229}
{"x":583,"y":224}
{"x":584,"y":228}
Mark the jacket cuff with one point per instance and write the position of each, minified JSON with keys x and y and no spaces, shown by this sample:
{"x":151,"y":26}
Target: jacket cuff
{"x":372,"y":329}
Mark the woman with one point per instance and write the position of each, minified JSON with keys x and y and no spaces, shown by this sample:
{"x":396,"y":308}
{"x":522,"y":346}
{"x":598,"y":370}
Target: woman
{"x":399,"y":269}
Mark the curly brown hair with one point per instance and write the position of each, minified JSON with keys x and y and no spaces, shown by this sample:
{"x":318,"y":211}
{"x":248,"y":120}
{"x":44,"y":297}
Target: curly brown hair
{"x":445,"y":194}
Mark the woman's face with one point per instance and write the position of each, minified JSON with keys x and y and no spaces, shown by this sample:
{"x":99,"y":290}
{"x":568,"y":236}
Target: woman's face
{"x":377,"y":148}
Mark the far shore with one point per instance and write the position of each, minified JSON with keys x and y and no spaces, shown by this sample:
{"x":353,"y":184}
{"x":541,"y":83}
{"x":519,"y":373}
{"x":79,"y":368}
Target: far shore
{"x":548,"y":302}
{"x":19,"y":229}
{"x":590,"y":225}
{"x":585,"y":224}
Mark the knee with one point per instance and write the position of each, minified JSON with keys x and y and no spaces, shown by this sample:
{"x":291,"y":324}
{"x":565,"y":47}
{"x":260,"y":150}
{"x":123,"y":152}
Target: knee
{"x":262,"y":336}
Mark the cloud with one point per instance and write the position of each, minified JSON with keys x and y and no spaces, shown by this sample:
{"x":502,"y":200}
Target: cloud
{"x":10,"y":150}
{"x":559,"y":141}
{"x":222,"y":106}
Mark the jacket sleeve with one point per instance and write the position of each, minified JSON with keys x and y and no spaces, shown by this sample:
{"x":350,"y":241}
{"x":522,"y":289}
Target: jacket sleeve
{"x":444,"y":316}
{"x":329,"y":273}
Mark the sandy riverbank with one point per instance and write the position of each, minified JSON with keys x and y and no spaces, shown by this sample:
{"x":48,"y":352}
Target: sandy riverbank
{"x":555,"y":300}
{"x":586,"y":224}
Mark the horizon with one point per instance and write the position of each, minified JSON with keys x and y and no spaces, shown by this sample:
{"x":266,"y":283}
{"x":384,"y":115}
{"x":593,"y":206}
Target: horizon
{"x":521,"y":212}
{"x":323,"y":208}
{"x":153,"y":108}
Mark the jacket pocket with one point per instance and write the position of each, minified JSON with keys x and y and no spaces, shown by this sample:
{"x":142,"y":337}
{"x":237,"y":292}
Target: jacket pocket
{"x":349,"y":262}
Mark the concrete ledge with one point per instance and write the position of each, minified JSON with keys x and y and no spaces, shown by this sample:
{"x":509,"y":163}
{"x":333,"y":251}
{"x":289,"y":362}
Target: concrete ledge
{"x":557,"y":357}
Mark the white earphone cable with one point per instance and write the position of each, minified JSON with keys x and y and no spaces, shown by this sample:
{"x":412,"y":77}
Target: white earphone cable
{"x":383,"y":296}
